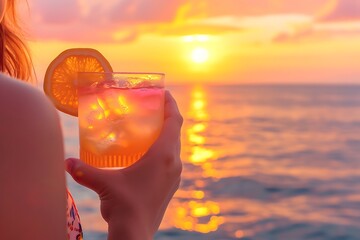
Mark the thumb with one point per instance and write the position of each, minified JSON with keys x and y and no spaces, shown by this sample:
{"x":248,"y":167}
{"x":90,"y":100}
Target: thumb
{"x":85,"y":174}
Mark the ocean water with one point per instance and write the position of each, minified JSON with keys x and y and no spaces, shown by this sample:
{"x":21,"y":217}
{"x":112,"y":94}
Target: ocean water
{"x":260,"y":163}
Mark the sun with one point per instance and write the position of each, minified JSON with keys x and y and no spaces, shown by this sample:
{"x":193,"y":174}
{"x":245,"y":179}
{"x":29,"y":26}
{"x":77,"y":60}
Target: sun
{"x":200,"y":55}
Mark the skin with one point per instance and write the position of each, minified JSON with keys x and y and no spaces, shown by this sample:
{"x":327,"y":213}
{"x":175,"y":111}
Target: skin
{"x":32,"y":179}
{"x":134,"y":199}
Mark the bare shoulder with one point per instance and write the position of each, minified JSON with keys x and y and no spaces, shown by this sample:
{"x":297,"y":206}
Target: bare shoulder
{"x":27,"y":117}
{"x":29,"y":124}
{"x":31,"y":163}
{"x":21,"y":98}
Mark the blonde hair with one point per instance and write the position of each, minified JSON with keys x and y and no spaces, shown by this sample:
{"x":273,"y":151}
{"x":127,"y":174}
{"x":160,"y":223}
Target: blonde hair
{"x":15,"y":59}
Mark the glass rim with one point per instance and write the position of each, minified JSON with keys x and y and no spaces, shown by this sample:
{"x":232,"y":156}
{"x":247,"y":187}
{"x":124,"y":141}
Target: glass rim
{"x":126,"y":80}
{"x":125,"y":73}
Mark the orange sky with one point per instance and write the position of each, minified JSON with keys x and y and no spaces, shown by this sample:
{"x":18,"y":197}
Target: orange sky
{"x":216,"y":41}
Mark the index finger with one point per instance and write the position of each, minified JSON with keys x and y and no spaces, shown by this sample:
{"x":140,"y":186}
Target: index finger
{"x":170,"y":133}
{"x":172,"y":119}
{"x":171,"y":109}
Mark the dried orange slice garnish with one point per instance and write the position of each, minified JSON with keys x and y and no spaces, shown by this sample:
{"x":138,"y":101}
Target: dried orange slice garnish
{"x":60,"y":83}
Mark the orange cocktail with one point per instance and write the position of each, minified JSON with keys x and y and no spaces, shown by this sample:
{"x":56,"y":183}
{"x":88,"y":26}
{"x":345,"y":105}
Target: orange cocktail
{"x":120,"y":116}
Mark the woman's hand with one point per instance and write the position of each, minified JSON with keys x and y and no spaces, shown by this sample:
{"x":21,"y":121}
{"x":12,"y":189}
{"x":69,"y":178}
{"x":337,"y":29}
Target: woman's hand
{"x":134,"y":199}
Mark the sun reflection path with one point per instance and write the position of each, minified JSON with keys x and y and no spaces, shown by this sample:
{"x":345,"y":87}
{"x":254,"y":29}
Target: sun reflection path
{"x":198,"y":214}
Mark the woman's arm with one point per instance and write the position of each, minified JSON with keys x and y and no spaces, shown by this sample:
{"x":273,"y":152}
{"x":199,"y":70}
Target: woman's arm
{"x":32,"y":179}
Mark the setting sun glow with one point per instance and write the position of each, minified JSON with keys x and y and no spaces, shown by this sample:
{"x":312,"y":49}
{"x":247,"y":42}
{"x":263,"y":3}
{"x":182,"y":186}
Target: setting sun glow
{"x":200,"y":55}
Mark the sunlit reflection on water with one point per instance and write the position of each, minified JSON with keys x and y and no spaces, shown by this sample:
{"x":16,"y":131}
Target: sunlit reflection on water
{"x":201,"y":155}
{"x":268,"y":165}
{"x":198,"y":214}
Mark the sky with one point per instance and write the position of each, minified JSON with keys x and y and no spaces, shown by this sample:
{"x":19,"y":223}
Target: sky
{"x":206,"y":41}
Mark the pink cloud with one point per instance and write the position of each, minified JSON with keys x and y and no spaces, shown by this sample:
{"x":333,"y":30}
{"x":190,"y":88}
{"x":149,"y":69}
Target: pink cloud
{"x":198,"y":28}
{"x":140,"y":11}
{"x":337,"y":18}
{"x":295,"y":36}
{"x":55,"y":11}
{"x":341,"y":10}
{"x":261,"y":7}
{"x":79,"y":32}
{"x":124,"y":20}
{"x":98,"y":20}
{"x":117,"y":21}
